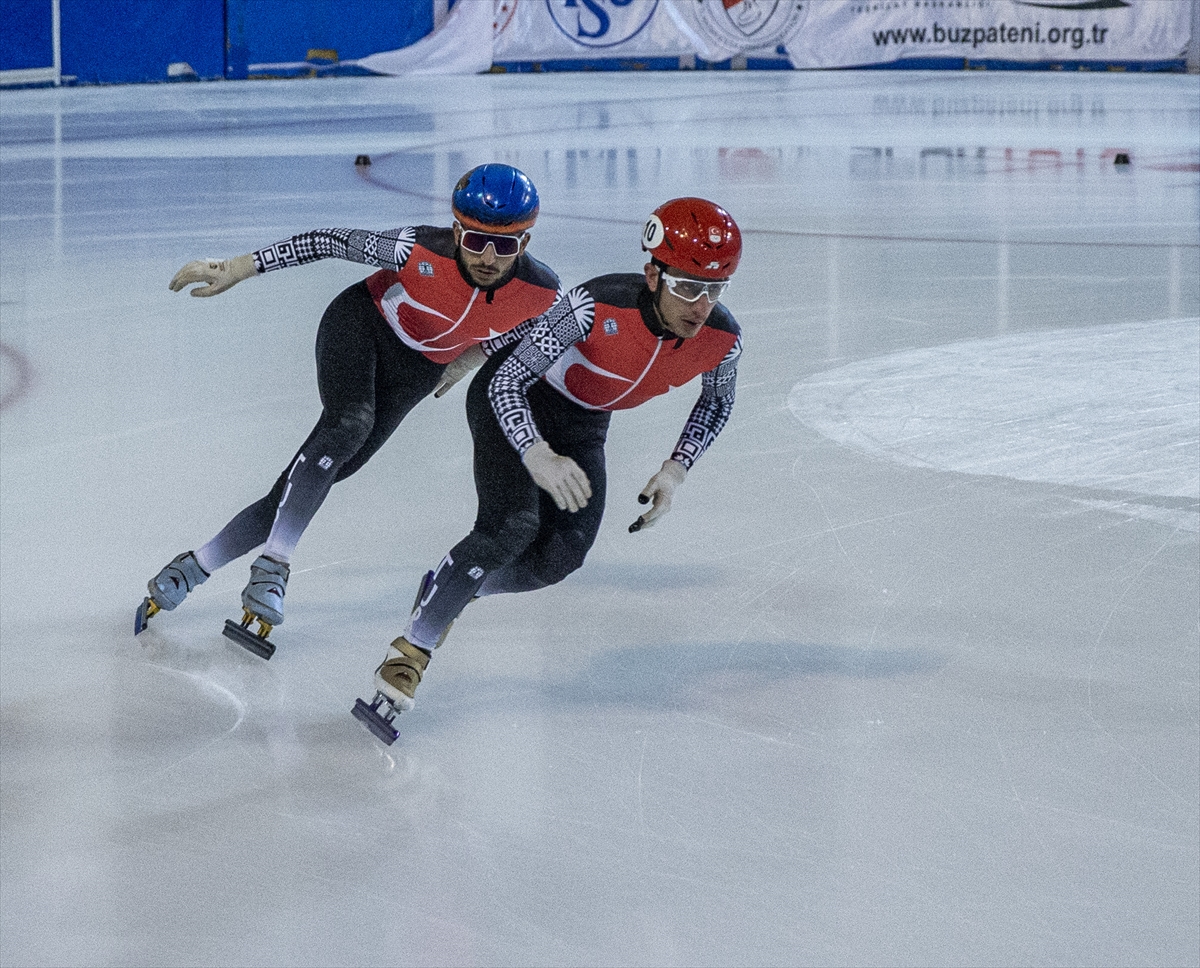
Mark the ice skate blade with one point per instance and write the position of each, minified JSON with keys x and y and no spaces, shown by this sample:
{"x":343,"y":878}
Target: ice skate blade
{"x":142,"y":616}
{"x":368,"y":715}
{"x":248,"y":640}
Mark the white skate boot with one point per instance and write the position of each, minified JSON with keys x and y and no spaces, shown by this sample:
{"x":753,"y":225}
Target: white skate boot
{"x":397,"y":678}
{"x":400,"y":673}
{"x":396,"y":682}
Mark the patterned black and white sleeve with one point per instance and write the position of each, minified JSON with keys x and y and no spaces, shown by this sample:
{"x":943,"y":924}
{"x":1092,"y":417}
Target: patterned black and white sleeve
{"x":547,"y":338}
{"x":516,"y":334}
{"x":384,"y":250}
{"x":711,"y":411}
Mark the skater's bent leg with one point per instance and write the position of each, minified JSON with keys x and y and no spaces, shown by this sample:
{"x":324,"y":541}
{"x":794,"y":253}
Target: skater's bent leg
{"x":346,"y":357}
{"x":369,"y":381}
{"x":460,"y":574}
{"x":561,"y":545}
{"x":360,"y":360}
{"x":336,"y":439}
{"x":505,"y":523}
{"x":248,"y":530}
{"x":350,"y":432}
{"x":564,"y":538}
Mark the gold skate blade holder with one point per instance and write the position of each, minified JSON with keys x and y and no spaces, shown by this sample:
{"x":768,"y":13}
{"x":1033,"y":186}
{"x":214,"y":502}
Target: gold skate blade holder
{"x":255,"y":642}
{"x":148,"y":608}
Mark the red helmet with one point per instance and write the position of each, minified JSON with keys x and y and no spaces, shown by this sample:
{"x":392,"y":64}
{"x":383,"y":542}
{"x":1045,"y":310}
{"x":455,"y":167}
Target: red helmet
{"x":694,"y":236}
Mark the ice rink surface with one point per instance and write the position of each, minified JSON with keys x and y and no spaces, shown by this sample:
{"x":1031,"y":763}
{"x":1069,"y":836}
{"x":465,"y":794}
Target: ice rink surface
{"x":909,"y":676}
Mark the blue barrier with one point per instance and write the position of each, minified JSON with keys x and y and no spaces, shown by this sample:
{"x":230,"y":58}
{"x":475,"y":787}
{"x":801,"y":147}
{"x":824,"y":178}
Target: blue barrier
{"x":130,"y":41}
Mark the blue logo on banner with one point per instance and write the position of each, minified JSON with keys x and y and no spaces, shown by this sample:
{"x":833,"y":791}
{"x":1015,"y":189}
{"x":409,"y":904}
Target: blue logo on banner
{"x":601,"y":23}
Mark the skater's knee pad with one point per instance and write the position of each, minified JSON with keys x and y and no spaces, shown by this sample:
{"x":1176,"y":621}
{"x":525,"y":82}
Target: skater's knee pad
{"x":483,"y":550}
{"x":562,"y":554}
{"x":355,"y":425}
{"x":346,"y":431}
{"x":516,"y":532}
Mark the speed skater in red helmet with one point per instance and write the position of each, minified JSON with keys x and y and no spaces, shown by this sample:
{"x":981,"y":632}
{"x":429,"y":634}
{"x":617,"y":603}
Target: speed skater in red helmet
{"x":695,"y":236}
{"x":695,"y":247}
{"x":539,"y":411}
{"x":411,"y":328}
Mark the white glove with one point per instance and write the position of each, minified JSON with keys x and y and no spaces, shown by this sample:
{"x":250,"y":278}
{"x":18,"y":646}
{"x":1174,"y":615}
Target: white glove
{"x":459,"y":367}
{"x":659,"y":489}
{"x":219,"y":274}
{"x":560,"y":477}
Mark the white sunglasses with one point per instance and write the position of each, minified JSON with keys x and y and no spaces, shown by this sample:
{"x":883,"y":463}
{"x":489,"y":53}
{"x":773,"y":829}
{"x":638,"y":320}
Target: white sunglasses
{"x":689,"y":290}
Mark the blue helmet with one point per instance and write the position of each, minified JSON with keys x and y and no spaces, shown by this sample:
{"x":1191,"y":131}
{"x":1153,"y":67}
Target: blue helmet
{"x":495,"y":198}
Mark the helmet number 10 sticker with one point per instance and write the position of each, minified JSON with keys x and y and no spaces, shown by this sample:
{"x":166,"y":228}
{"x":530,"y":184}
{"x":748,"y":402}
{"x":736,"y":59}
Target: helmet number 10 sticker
{"x":653,"y":233}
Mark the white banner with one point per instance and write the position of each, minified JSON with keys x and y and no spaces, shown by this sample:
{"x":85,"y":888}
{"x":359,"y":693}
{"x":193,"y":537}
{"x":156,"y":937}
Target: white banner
{"x":811,"y":33}
{"x":715,"y":30}
{"x":842,"y":33}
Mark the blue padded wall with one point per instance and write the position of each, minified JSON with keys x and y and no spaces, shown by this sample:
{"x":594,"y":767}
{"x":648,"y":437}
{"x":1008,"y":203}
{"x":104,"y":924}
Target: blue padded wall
{"x":120,"y":41}
{"x":129,"y":41}
{"x":26,"y":26}
{"x":270,"y":32}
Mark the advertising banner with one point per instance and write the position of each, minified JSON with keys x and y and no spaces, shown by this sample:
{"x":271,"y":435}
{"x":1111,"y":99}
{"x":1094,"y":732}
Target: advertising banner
{"x":715,"y":30}
{"x":804,"y":34}
{"x":864,"y":33}
{"x":842,"y":33}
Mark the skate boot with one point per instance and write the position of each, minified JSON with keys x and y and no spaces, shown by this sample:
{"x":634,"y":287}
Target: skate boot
{"x":396,"y":682}
{"x":262,"y":602}
{"x":169,"y":587}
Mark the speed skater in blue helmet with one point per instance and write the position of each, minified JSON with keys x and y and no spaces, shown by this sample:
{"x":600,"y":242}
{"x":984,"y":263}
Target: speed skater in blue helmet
{"x":494,"y":207}
{"x":495,"y":198}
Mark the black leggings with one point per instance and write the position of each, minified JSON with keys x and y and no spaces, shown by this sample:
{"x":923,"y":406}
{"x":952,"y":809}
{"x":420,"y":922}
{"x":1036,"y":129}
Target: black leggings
{"x":521,"y":541}
{"x":368,"y":381}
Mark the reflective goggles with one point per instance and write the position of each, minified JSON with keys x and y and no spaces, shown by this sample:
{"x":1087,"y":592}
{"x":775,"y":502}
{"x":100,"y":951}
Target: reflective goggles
{"x":689,"y":290}
{"x":477,"y":242}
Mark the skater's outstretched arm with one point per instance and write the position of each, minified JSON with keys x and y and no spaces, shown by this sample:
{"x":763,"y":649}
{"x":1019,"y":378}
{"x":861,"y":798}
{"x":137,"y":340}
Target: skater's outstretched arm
{"x":706,"y":420}
{"x":218,"y":274}
{"x":384,"y":250}
{"x":712,"y":409}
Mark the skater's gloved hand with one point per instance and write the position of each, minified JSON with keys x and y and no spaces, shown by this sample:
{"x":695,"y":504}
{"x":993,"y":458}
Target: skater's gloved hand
{"x":459,"y":367}
{"x":219,"y":274}
{"x":659,"y":489}
{"x":560,"y":477}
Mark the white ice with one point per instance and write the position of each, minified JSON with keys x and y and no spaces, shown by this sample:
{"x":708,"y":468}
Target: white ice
{"x":910,"y":675}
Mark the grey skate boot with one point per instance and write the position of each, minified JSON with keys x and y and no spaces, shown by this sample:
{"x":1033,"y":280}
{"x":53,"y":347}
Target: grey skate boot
{"x":263,"y":595}
{"x":169,"y":588}
{"x":171,"y":585}
{"x":262,"y":602}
